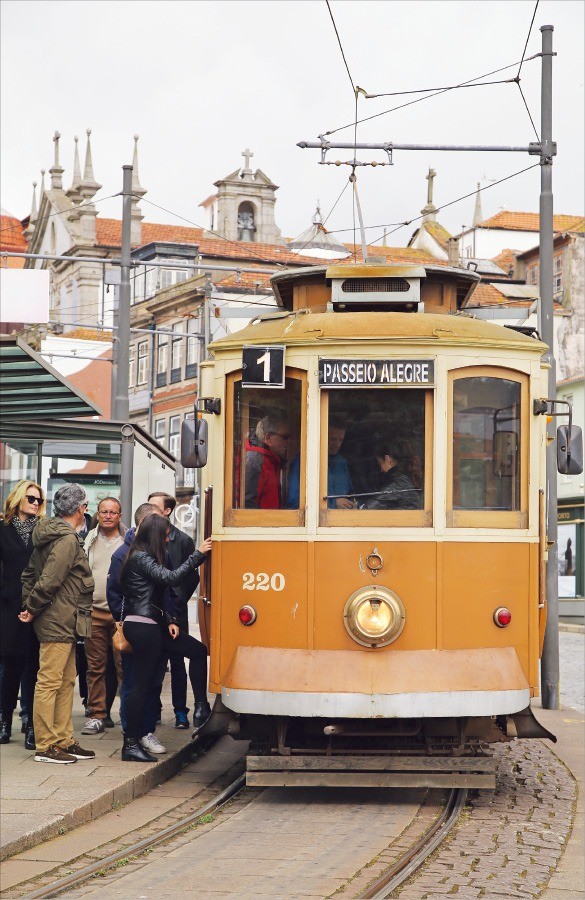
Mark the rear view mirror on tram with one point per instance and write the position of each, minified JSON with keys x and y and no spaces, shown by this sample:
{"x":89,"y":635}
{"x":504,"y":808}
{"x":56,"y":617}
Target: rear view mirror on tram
{"x":194,"y":443}
{"x":569,"y":449}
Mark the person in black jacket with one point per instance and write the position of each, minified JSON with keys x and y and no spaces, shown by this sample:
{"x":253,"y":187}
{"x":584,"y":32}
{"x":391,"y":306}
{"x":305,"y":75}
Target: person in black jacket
{"x":151,"y":626}
{"x":396,"y":489}
{"x":179,"y":547}
{"x":19,"y":647}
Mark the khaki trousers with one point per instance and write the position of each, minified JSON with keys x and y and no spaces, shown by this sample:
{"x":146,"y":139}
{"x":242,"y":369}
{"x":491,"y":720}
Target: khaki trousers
{"x":96,"y":652}
{"x":54,"y":696}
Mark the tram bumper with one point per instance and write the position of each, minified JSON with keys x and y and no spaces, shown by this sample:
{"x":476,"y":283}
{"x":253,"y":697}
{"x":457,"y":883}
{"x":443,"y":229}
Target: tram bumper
{"x":364,"y":684}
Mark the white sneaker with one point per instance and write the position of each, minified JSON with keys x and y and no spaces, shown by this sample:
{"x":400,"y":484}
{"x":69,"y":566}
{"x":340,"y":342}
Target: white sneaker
{"x":151,"y":743}
{"x":93,"y":726}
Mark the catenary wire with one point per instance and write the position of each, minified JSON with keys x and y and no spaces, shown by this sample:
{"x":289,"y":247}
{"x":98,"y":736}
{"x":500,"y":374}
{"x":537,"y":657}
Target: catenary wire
{"x":435,"y":94}
{"x":527,"y":39}
{"x":528,"y":111}
{"x":340,"y":46}
{"x":459,"y":199}
{"x":65,"y":212}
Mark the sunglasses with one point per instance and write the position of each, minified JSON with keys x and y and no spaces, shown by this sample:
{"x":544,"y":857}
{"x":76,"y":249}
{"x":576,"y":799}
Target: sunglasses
{"x":32,"y":499}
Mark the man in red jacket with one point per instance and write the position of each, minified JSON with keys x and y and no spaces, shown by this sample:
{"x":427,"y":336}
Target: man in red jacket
{"x":265,"y":456}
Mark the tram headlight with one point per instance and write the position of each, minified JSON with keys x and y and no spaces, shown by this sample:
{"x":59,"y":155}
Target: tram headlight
{"x":374,"y":616}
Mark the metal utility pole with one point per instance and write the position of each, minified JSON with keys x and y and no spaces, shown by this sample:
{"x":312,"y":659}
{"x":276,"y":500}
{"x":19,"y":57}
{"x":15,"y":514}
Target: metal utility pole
{"x":121,"y":353}
{"x":549,"y":674}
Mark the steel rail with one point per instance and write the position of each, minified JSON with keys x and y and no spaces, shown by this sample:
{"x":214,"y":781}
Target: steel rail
{"x":76,"y":878}
{"x":420,"y":850}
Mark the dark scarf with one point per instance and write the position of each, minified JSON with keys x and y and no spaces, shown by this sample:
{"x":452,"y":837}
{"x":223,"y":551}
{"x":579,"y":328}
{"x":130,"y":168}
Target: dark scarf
{"x":25,"y":529}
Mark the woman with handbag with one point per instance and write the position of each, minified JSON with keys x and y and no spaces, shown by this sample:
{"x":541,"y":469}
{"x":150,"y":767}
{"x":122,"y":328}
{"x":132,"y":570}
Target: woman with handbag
{"x":151,"y":627}
{"x":19,"y":647}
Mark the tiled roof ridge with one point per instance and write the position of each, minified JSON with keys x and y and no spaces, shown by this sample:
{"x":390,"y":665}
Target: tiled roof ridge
{"x":516,"y":220}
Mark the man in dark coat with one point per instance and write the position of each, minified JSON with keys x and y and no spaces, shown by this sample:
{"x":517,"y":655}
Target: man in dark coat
{"x":266,"y":452}
{"x":180,"y":547}
{"x":57,"y":592}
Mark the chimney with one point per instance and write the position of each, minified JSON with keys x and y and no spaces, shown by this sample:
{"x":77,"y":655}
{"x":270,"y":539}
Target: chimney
{"x":453,"y":251}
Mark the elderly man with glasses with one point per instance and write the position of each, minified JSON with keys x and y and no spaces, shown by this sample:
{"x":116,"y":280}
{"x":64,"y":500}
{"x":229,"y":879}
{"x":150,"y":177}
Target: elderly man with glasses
{"x":266,"y":452}
{"x":100,"y":545}
{"x":57,"y":591}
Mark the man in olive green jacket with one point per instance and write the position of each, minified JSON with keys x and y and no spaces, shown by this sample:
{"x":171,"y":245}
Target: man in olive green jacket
{"x":57,"y":596}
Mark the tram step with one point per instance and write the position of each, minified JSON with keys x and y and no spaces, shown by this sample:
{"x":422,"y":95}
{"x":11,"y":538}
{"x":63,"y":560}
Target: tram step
{"x":373,"y":771}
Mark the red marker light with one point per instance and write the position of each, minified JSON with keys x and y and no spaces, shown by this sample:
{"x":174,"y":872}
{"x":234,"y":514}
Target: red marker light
{"x":247,"y":615}
{"x":502,"y":616}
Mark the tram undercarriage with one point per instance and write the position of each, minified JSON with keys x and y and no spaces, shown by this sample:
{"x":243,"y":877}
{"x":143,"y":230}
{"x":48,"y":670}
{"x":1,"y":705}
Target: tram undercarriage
{"x":308,"y":752}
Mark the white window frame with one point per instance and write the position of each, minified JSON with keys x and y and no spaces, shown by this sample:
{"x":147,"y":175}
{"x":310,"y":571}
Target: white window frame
{"x":160,"y":430}
{"x":174,"y":435}
{"x":142,"y":367}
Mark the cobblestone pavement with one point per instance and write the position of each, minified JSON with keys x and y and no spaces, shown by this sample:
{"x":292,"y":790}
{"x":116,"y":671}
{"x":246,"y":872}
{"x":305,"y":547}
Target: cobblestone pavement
{"x":572,"y":668}
{"x":508,"y":843}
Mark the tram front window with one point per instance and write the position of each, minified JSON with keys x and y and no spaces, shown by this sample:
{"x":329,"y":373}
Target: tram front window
{"x":267,"y":441}
{"x":376,"y":449}
{"x":486,"y":444}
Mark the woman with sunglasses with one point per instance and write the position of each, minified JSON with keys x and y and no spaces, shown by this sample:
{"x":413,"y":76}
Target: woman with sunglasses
{"x":150,"y":625}
{"x":19,"y":647}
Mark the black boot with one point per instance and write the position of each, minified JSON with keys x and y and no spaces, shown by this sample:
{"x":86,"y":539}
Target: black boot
{"x":29,"y":739}
{"x":201,"y":714}
{"x":23,"y":724}
{"x":5,"y":729}
{"x":132,"y":751}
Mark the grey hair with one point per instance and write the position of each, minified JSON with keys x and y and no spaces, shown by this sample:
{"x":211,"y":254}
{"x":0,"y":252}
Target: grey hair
{"x":268,"y":425}
{"x":68,"y":499}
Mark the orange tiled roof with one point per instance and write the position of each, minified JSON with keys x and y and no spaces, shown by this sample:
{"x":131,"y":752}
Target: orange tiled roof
{"x":505,"y":259}
{"x":11,"y":234}
{"x":109,"y":233}
{"x":488,"y":295}
{"x":247,"y":280}
{"x":524,"y":221}
{"x":89,"y":334}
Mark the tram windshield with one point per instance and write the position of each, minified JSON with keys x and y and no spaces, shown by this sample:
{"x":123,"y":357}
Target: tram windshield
{"x":486,"y":444}
{"x":267,"y":445}
{"x":376,"y":449}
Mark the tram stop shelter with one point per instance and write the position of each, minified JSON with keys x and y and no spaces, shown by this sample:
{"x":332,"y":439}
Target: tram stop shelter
{"x":53,"y":434}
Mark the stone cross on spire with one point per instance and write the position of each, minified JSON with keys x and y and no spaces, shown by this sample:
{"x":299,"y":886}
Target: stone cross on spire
{"x":428,"y":212}
{"x":56,"y":171}
{"x":73,"y":192}
{"x":247,"y":154}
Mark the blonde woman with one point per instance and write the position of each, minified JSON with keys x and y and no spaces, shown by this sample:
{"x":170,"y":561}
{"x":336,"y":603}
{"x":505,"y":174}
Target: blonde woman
{"x":19,"y":648}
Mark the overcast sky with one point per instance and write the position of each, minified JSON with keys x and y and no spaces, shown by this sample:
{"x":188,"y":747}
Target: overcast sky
{"x":200,"y":81}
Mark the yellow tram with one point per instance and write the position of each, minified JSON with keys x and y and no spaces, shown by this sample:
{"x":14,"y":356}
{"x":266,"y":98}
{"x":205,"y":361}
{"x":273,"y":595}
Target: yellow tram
{"x":374,"y":605}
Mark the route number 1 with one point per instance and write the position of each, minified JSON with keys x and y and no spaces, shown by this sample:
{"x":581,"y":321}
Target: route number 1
{"x":263,"y":367}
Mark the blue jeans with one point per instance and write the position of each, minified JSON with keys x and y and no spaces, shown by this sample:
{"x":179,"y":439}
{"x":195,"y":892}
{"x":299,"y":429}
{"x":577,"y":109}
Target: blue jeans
{"x":152,"y":708}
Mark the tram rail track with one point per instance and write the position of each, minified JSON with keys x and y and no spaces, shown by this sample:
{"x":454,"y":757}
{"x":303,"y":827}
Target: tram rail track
{"x":421,"y":849}
{"x":75,"y":879}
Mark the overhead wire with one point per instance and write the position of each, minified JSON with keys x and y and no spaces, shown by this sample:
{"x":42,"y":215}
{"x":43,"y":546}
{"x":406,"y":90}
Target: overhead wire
{"x":65,"y":212}
{"x":517,"y":79}
{"x":468,"y":83}
{"x":340,"y":46}
{"x":453,"y":202}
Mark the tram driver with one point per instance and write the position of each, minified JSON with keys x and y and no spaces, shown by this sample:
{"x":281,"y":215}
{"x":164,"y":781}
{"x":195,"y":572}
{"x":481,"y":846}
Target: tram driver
{"x":266,"y":452}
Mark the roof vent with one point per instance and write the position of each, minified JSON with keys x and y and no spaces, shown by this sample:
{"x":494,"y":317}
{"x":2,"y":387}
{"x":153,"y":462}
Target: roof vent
{"x":374,"y":285}
{"x":361,"y":285}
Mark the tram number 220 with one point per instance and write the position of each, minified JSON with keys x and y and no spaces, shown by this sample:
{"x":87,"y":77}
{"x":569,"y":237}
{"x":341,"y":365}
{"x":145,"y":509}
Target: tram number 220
{"x":262,"y":581}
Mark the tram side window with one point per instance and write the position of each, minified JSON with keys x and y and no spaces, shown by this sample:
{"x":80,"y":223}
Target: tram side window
{"x":486,"y":444}
{"x":376,"y":449}
{"x":267,"y":441}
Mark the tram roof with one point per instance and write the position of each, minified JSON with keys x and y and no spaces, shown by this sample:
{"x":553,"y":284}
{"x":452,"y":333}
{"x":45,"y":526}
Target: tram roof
{"x":436,"y":329}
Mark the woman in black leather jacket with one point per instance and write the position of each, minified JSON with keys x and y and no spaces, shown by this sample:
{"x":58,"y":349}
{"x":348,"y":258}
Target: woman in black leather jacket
{"x":150,"y":625}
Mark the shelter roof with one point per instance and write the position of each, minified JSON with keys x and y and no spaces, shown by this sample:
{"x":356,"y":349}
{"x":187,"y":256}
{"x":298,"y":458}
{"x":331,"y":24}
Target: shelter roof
{"x":31,"y":388}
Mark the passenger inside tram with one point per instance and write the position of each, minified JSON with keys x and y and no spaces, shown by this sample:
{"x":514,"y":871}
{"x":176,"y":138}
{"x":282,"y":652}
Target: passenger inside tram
{"x":338,"y":477}
{"x":396,"y":489}
{"x":266,"y":452}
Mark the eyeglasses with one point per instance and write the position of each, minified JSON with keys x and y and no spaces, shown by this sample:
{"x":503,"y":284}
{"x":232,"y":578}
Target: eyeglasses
{"x":32,"y":499}
{"x":285,"y":437}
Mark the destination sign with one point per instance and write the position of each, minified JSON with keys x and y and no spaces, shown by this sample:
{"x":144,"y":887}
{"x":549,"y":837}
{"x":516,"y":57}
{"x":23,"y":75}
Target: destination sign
{"x":376,"y":372}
